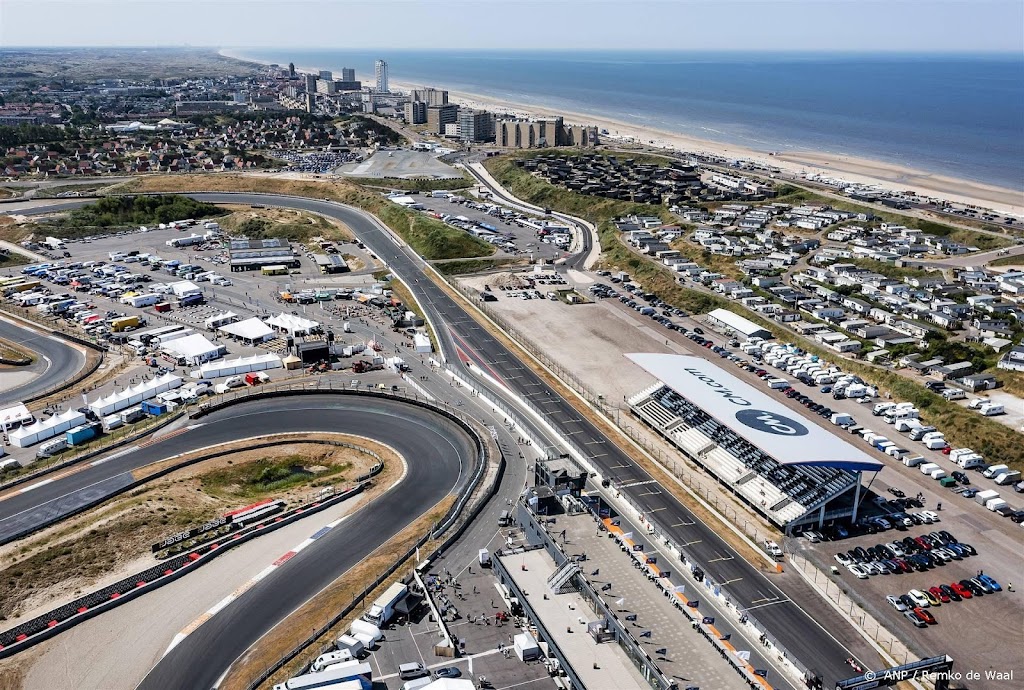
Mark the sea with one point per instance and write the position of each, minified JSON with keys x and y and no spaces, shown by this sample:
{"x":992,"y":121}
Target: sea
{"x":955,"y":115}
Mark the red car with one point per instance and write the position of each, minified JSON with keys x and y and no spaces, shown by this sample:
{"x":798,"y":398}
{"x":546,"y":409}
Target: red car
{"x":943,"y":597}
{"x":923,"y":543}
{"x":947,"y":450}
{"x":961,"y":590}
{"x":926,"y":615}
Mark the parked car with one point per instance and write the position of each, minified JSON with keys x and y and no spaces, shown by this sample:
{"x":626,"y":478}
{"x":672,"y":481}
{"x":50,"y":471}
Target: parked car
{"x":926,"y":615}
{"x":919,"y":598}
{"x":895,"y":602}
{"x":992,"y":584}
{"x":915,"y":619}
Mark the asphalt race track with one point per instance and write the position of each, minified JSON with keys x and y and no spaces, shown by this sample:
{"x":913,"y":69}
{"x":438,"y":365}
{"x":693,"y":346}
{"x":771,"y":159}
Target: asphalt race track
{"x":57,"y":361}
{"x":459,"y":334}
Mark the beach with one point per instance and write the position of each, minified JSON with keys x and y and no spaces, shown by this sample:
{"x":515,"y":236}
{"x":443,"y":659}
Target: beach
{"x":852,"y":169}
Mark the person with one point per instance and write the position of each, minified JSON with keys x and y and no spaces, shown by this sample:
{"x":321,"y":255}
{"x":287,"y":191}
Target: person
{"x":1009,"y":586}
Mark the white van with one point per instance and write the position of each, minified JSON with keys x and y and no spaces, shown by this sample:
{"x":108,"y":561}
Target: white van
{"x":411,"y":671}
{"x":993,"y":470}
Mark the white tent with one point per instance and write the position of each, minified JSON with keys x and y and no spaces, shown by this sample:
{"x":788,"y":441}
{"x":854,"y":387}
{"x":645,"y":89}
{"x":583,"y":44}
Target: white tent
{"x":46,"y":428}
{"x":15,"y":414}
{"x":194,"y":349}
{"x":220,"y":319}
{"x":242,"y":365}
{"x":184,"y":288}
{"x":421,"y":343}
{"x":251,"y":330}
{"x":292,"y":324}
{"x":134,"y":395}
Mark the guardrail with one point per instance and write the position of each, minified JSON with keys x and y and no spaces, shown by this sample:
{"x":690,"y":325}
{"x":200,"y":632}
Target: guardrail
{"x":64,"y":617}
{"x":483,"y":457}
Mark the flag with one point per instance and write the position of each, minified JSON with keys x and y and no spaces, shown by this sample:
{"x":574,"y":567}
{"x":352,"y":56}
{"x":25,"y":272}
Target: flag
{"x":679,"y":588}
{"x":661,"y":652}
{"x":596,"y":571}
{"x":726,"y":637}
{"x":646,"y":633}
{"x":621,"y":601}
{"x":743,"y":654}
{"x":627,"y":535}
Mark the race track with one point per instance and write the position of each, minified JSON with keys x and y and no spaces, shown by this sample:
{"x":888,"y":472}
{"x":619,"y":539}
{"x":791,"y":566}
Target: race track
{"x":56,"y":361}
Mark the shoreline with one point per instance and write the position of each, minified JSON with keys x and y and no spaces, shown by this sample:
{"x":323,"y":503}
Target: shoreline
{"x":852,"y":169}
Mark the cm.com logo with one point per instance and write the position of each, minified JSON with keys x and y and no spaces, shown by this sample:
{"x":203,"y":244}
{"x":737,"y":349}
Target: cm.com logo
{"x":771,"y":423}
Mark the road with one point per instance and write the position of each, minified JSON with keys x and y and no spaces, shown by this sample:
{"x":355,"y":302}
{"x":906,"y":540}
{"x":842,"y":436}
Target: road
{"x":462,"y":339}
{"x":56,"y":361}
{"x":461,"y":336}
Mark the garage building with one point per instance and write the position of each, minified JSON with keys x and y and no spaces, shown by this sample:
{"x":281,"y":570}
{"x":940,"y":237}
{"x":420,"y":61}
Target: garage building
{"x":723,"y":318}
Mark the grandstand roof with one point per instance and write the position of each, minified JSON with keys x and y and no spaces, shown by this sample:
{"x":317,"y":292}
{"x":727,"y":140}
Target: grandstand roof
{"x":787,"y":438}
{"x":740,"y":324}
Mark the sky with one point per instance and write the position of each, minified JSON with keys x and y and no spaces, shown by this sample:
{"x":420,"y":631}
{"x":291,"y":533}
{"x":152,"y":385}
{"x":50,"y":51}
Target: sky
{"x":695,"y":25}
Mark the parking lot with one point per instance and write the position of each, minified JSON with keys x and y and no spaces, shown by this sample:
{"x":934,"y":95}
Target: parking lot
{"x":400,"y":163}
{"x":513,"y":237}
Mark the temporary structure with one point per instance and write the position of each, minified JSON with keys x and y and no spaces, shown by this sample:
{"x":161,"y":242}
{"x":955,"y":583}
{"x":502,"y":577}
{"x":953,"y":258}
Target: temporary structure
{"x":251,"y":330}
{"x":194,"y":349}
{"x":134,"y":395}
{"x":292,"y":325}
{"x":46,"y":428}
{"x":242,"y":365}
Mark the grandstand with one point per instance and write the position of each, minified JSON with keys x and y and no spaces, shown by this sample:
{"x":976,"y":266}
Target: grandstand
{"x":791,"y":471}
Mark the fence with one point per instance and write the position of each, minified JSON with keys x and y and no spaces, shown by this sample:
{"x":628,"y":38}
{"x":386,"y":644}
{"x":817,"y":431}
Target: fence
{"x":668,"y":460}
{"x":360,"y":598}
{"x":62,"y":618}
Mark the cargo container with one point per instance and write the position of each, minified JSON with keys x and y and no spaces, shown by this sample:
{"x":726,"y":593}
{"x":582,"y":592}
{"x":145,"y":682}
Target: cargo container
{"x":153,"y":408}
{"x":80,"y":434}
{"x":983,"y":497}
{"x":162,"y":307}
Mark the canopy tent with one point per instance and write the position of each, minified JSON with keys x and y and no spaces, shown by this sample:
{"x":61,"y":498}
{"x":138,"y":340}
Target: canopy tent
{"x":251,"y":330}
{"x":134,"y":395}
{"x":220,"y":319}
{"x":16,"y":414}
{"x":242,"y":365}
{"x":293,"y":325}
{"x":194,"y":349}
{"x":46,"y":428}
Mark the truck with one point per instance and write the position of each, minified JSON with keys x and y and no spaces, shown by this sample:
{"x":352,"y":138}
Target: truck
{"x":334,"y":679}
{"x":484,"y":558}
{"x":361,"y":366}
{"x":191,"y":300}
{"x":124,"y":323}
{"x":842,"y":419}
{"x":1007,"y":477}
{"x":384,"y":606}
{"x":348,"y":643}
{"x":993,"y":470}
{"x":145,"y":300}
{"x":255,"y":378}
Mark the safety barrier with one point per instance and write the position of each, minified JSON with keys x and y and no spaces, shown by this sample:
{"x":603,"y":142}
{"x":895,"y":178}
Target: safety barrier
{"x":47,"y":625}
{"x":394,"y":567}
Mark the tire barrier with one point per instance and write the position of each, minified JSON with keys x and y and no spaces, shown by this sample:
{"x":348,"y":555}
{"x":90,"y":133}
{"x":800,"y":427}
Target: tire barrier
{"x":62,"y":618}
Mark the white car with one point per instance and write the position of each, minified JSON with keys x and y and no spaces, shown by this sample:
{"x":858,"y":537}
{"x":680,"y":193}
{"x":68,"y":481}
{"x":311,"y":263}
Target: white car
{"x":919,"y":598}
{"x":843,"y":559}
{"x":858,"y":571}
{"x":812,"y":537}
{"x":933,"y":517}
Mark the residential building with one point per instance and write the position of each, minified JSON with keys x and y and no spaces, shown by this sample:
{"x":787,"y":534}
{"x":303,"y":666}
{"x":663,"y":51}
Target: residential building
{"x":380,"y":72}
{"x":310,"y":80}
{"x":348,"y":74}
{"x":326,"y":75}
{"x":476,"y":125}
{"x":326,"y":86}
{"x":416,"y":112}
{"x":440,"y":115}
{"x":430,"y":96}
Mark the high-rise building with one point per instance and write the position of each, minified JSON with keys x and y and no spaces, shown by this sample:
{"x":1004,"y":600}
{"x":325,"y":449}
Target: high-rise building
{"x":326,"y":86}
{"x":548,"y":131}
{"x":476,"y":125}
{"x":380,"y":71}
{"x":440,"y":115}
{"x":341,"y":85}
{"x":291,"y":70}
{"x":326,"y":75}
{"x":348,"y":74}
{"x":430,"y":96}
{"x":415,"y":112}
{"x":310,"y":80}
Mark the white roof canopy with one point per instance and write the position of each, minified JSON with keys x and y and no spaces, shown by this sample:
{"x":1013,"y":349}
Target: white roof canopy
{"x":46,"y":428}
{"x":292,"y":324}
{"x":134,"y":395}
{"x":242,"y":365}
{"x":251,"y":329}
{"x":192,"y":348}
{"x":786,"y":436}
